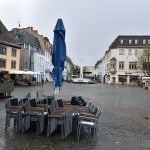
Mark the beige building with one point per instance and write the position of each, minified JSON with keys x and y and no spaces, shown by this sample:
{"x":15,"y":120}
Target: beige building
{"x":9,"y":51}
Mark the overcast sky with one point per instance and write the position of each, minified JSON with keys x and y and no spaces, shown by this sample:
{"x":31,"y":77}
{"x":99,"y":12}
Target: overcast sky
{"x":91,"y":25}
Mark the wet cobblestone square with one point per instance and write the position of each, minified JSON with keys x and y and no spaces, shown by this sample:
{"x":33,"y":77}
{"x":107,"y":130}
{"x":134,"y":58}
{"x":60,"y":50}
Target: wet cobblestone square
{"x":123,"y":125}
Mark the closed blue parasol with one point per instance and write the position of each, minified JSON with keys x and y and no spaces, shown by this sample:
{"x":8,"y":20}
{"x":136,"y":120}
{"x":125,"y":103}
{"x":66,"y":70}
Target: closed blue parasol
{"x":58,"y":53}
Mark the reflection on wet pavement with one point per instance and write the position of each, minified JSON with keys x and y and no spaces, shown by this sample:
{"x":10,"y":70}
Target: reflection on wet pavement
{"x":122,"y":125}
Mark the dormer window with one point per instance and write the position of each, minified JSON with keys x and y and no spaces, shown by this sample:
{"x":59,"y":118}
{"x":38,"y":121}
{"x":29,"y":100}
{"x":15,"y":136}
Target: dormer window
{"x":144,"y":41}
{"x":121,"y":41}
{"x":136,"y":41}
{"x":130,"y":41}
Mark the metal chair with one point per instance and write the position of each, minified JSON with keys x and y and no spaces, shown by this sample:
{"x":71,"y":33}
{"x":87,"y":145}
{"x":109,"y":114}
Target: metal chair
{"x":91,"y":122}
{"x":35,"y":114}
{"x":13,"y":110}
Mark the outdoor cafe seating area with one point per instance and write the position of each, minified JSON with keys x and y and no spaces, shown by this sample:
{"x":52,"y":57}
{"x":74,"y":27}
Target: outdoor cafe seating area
{"x":48,"y":115}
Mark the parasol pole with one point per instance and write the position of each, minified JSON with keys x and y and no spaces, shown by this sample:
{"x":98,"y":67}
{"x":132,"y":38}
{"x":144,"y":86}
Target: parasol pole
{"x":56,"y":92}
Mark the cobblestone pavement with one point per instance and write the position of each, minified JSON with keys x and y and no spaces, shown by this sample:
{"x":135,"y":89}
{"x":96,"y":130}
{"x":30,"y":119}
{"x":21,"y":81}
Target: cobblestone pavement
{"x":123,"y":125}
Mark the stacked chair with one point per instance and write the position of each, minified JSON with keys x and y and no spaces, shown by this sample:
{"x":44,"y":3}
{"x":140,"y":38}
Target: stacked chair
{"x":78,"y":101}
{"x":60,"y":114}
{"x":88,"y":118}
{"x":35,"y":113}
{"x":70,"y":116}
{"x":14,"y":111}
{"x":25,"y":111}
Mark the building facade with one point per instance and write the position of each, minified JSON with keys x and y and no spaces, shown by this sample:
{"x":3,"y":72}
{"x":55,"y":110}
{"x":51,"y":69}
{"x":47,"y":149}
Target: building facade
{"x":48,"y":60}
{"x":9,"y":51}
{"x":68,"y":69}
{"x":122,"y":59}
{"x":100,"y":70}
{"x":35,"y":52}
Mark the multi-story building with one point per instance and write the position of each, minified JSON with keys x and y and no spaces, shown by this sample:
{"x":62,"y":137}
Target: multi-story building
{"x":67,"y":69}
{"x":9,"y":51}
{"x":88,"y":72}
{"x":42,"y":63}
{"x":29,"y":47}
{"x":35,"y":53}
{"x":100,"y":70}
{"x":121,"y":60}
{"x":48,"y":59}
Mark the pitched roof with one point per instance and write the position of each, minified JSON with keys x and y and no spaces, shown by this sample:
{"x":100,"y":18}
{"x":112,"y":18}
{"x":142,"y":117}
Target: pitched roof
{"x":135,"y":41}
{"x":24,"y":37}
{"x":5,"y":37}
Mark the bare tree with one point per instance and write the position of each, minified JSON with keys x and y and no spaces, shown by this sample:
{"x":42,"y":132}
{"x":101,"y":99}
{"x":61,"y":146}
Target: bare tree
{"x":144,"y":61}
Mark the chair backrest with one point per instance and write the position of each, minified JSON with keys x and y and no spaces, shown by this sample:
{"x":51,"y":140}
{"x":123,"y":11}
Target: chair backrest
{"x":44,"y":101}
{"x":92,"y":107}
{"x":83,"y":101}
{"x":53,"y":105}
{"x":14,"y":102}
{"x":32,"y":102}
{"x":7,"y":103}
{"x":95,"y":110}
{"x":88,"y":104}
{"x":24,"y":100}
{"x":49,"y":99}
{"x":99,"y":112}
{"x":60,"y":103}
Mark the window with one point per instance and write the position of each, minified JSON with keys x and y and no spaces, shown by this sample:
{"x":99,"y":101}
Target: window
{"x":13,"y":52}
{"x":144,"y":41}
{"x":136,"y":41}
{"x":148,"y":41}
{"x":3,"y":50}
{"x":22,"y":45}
{"x":13,"y":64}
{"x":121,"y":65}
{"x":146,"y":52}
{"x":121,"y":41}
{"x":121,"y":51}
{"x":122,"y":78}
{"x":132,"y":65}
{"x":26,"y":46}
{"x":112,"y":65}
{"x":130,"y":41}
{"x":129,"y":51}
{"x":136,"y":52}
{"x":2,"y":63}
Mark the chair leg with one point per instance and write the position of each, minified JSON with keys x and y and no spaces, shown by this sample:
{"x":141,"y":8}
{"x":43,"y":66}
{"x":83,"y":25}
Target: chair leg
{"x":37,"y":127}
{"x":48,"y":129}
{"x":78,"y":132}
{"x":15,"y":122}
{"x":6,"y":122}
{"x":95,"y":134}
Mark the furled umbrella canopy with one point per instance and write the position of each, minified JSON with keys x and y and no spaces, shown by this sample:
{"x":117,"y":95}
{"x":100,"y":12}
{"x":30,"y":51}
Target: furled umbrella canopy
{"x":58,"y":53}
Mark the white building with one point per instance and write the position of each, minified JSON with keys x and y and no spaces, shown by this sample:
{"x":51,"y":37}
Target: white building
{"x":39,"y":65}
{"x":89,"y":72}
{"x":48,"y":60}
{"x":121,"y":60}
{"x":100,"y":70}
{"x":67,"y":69}
{"x":35,"y":52}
